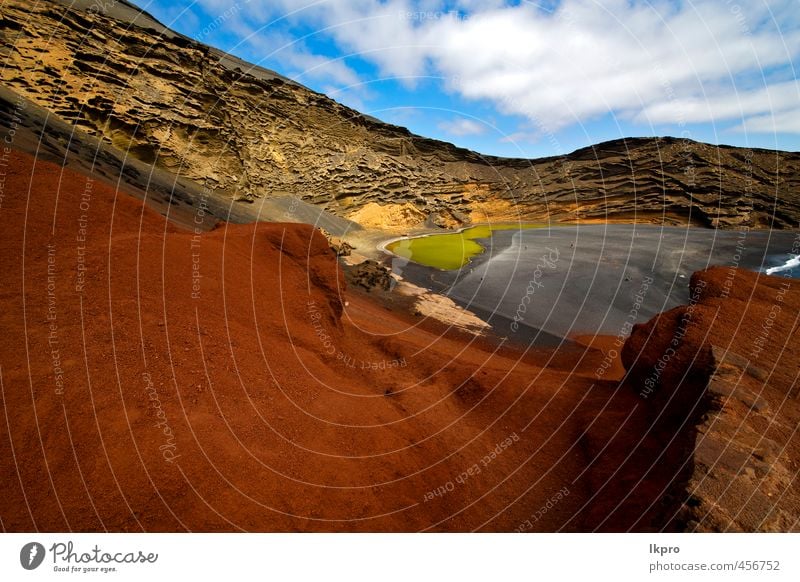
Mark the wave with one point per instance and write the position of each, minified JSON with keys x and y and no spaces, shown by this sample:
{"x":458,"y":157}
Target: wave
{"x":788,"y":265}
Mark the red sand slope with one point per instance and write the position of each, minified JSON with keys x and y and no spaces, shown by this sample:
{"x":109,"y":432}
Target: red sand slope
{"x":743,"y":328}
{"x":154,"y":379}
{"x":755,"y":316}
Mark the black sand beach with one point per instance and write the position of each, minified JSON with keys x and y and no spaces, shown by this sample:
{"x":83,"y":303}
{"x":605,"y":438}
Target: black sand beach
{"x":541,"y":285}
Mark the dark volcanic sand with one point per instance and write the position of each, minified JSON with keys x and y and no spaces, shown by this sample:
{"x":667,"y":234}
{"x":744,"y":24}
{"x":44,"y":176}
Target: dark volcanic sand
{"x":603,"y":277}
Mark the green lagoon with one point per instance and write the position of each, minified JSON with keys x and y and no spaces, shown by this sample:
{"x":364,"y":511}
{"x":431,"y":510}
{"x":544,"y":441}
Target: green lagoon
{"x":452,"y":250}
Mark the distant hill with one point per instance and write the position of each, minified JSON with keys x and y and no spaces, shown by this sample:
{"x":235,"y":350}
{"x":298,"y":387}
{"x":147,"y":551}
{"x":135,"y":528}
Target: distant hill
{"x":247,"y":133}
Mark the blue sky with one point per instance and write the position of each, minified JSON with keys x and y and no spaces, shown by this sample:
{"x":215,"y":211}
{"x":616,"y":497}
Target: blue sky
{"x":529,"y":79}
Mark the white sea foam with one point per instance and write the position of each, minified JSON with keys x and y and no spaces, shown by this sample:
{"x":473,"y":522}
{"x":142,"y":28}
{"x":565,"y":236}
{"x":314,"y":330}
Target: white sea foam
{"x":790,"y":264}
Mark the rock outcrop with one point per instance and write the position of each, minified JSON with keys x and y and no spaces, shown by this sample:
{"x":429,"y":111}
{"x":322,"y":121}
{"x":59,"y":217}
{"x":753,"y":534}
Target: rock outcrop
{"x":742,"y":480}
{"x":340,"y":247}
{"x":247,"y":133}
{"x":369,"y":275}
{"x":725,"y":369}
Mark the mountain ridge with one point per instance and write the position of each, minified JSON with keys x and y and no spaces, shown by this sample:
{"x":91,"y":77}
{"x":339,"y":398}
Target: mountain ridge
{"x":250,"y":133}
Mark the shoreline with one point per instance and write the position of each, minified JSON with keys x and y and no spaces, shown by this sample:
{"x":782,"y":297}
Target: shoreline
{"x":656,"y":259}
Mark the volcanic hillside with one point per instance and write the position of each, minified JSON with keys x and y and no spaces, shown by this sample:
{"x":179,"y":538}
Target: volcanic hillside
{"x":248,"y":133}
{"x":155,"y":378}
{"x":188,"y":373}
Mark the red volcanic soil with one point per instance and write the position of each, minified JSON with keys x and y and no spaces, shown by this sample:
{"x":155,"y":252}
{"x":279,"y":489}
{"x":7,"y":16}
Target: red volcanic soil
{"x":744,"y":329}
{"x":158,"y":379}
{"x":755,"y":316}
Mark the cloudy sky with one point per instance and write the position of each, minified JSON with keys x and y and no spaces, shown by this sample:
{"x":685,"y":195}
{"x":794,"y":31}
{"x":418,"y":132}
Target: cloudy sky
{"x":529,"y":79}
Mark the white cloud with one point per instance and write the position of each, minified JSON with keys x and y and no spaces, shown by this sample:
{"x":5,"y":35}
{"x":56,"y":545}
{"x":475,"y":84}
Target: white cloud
{"x":656,"y":61}
{"x":583,"y":62}
{"x":720,"y":105}
{"x":784,"y":122}
{"x":313,"y":66}
{"x":296,"y":60}
{"x":519,"y":137}
{"x":461,"y":127}
{"x":385,"y":33}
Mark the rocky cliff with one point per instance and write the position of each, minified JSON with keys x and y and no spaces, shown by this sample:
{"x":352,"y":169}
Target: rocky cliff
{"x":722,"y":374}
{"x":247,"y":133}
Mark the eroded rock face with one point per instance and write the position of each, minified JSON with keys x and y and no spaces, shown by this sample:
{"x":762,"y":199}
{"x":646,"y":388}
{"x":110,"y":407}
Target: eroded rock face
{"x":726,"y":366}
{"x":247,"y":133}
{"x":340,"y":247}
{"x":369,"y":275}
{"x":742,"y":479}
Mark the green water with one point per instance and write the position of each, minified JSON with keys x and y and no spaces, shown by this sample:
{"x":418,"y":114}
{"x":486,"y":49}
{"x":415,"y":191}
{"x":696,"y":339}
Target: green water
{"x":452,"y":250}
